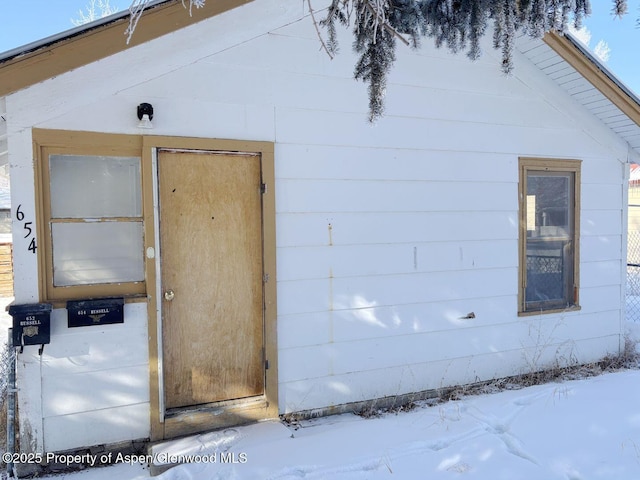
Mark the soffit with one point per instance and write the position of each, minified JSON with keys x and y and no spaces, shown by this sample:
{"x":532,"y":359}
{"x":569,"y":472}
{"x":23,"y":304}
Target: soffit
{"x":588,"y":82}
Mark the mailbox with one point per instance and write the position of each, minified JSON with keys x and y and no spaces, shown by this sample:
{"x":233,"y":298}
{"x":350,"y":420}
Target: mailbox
{"x":31,"y":325}
{"x":86,"y":313}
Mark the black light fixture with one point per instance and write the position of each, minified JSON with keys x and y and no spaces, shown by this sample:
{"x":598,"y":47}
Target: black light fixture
{"x":145,"y":115}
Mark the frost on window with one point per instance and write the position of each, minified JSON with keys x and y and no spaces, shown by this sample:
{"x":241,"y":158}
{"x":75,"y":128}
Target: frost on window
{"x":95,"y":186}
{"x":97,"y":253}
{"x":96,"y":219}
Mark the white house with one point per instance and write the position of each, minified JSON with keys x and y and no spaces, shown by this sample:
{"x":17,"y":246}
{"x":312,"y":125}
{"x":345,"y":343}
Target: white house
{"x":274,"y":252}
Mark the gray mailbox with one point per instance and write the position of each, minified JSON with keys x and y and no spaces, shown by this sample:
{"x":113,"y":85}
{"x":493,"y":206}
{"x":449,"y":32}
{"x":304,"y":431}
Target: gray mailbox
{"x":31,"y":325}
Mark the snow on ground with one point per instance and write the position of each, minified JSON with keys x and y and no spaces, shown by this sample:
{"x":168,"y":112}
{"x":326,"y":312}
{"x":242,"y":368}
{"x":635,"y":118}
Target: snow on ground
{"x":575,"y":430}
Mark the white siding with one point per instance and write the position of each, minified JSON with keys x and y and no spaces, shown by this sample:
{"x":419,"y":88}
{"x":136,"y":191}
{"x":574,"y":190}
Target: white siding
{"x":387,"y":235}
{"x":96,"y":379}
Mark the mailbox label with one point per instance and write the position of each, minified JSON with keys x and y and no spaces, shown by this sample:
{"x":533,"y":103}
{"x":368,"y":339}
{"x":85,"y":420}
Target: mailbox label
{"x":31,"y":324}
{"x":86,"y":313}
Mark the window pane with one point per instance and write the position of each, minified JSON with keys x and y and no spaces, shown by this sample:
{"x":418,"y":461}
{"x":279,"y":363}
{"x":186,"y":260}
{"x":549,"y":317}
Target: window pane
{"x":549,"y":205}
{"x":95,"y":186}
{"x":548,"y":272}
{"x":101,"y":252}
{"x":549,"y":243}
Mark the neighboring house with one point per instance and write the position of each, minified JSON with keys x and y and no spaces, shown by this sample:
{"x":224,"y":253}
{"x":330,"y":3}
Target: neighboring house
{"x":275,"y":252}
{"x":6,"y":265}
{"x":634,"y":198}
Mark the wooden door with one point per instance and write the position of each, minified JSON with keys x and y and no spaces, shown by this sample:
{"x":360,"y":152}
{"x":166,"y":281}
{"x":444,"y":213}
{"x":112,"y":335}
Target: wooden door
{"x":211,"y":271}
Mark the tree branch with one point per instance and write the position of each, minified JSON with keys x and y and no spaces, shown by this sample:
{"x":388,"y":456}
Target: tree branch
{"x":382,"y":20}
{"x":315,"y":24}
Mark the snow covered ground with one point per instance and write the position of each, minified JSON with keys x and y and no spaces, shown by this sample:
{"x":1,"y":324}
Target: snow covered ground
{"x":584,"y":429}
{"x":575,"y":430}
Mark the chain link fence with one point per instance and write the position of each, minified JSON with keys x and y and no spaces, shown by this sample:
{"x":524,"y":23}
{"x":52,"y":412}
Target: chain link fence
{"x":545,"y":275}
{"x":633,"y":276}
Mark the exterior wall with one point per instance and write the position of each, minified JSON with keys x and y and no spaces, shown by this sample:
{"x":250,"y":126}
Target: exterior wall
{"x":97,"y":380}
{"x":387,"y":235}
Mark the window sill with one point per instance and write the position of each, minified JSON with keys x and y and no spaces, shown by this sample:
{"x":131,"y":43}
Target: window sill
{"x":529,"y":313}
{"x":138,"y":298}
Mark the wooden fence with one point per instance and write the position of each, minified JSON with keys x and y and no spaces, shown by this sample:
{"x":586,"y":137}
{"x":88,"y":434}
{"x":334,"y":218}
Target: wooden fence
{"x":6,"y":270}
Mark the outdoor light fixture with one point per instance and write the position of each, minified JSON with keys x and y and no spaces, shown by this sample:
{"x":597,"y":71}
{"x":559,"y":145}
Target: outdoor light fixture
{"x":145,"y":115}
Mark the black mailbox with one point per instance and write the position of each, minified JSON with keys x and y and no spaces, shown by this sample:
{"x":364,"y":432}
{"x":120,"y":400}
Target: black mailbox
{"x":31,"y":324}
{"x":103,"y":311}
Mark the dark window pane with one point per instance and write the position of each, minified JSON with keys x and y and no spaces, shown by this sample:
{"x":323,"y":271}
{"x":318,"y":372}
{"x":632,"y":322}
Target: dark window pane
{"x":548,"y":268}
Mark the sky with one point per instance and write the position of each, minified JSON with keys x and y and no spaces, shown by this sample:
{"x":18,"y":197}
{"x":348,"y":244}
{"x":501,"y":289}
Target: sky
{"x":25,"y":21}
{"x":32,"y":20}
{"x":622,"y":36}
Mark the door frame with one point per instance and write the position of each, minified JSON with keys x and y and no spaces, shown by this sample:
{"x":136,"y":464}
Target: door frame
{"x":227,"y":413}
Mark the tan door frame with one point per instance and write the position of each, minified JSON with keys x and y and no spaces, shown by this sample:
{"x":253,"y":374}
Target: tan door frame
{"x":161,"y":426}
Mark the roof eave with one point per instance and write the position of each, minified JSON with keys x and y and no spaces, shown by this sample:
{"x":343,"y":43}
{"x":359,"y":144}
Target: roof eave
{"x":34,"y":63}
{"x":37,"y":62}
{"x":79,"y":30}
{"x":596,"y":73}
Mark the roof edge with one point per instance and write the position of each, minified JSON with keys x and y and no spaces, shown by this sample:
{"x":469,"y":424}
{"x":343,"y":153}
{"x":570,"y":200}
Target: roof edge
{"x":52,"y":56}
{"x":595,"y":73}
{"x":72,"y":32}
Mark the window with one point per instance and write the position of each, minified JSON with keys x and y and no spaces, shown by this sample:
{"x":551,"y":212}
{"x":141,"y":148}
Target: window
{"x":93,"y":229}
{"x":549,"y":226}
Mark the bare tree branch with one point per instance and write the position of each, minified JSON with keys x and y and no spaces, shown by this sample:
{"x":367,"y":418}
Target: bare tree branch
{"x":136,"y":9}
{"x":315,"y":24}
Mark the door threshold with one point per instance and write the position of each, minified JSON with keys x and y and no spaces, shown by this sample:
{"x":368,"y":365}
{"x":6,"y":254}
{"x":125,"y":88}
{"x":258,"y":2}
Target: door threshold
{"x":215,"y":407}
{"x":211,"y":416}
